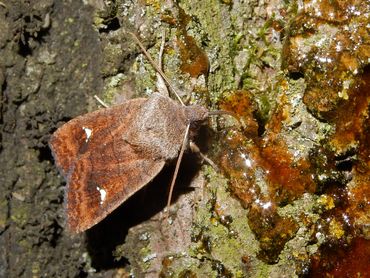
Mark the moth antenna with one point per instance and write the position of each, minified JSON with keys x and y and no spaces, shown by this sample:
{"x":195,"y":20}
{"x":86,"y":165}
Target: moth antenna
{"x":161,"y":49}
{"x":194,"y":148}
{"x":161,"y":84}
{"x":224,"y":112}
{"x":138,"y":42}
{"x":178,"y":162}
{"x":100,"y":101}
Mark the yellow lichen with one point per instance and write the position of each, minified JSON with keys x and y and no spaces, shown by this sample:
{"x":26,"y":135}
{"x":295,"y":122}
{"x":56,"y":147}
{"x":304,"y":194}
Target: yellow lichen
{"x":326,"y":201}
{"x":336,"y":229}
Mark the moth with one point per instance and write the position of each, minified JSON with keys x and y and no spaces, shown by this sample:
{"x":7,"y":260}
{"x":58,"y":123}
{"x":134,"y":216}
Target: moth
{"x":108,"y":155}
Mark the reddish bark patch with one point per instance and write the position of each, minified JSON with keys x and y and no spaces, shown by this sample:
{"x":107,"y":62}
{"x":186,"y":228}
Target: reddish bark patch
{"x":348,"y":261}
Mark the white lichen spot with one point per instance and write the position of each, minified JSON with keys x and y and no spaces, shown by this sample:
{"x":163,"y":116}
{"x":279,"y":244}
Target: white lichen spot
{"x":319,"y":236}
{"x":353,"y":10}
{"x":103,"y":194}
{"x":338,"y":47}
{"x":266,"y":205}
{"x":149,"y":257}
{"x":320,"y":42}
{"x":247,"y":161}
{"x":262,"y":204}
{"x":346,"y":84}
{"x":323,"y":59}
{"x":322,"y":177}
{"x":88,"y":133}
{"x":346,"y":218}
{"x":145,"y":236}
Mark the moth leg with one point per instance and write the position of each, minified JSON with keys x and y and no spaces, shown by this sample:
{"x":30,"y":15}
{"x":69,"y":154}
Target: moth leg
{"x":101,"y":101}
{"x":195,"y":149}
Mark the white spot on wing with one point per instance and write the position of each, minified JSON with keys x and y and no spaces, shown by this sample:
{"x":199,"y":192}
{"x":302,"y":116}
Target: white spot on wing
{"x":103,"y":194}
{"x":88,"y":132}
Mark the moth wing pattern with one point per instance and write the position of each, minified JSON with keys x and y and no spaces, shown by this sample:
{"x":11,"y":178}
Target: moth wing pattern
{"x":99,"y":165}
{"x":70,"y":139}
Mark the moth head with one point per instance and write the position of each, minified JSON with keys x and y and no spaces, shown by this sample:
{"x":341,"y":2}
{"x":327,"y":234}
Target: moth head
{"x":196,"y":114}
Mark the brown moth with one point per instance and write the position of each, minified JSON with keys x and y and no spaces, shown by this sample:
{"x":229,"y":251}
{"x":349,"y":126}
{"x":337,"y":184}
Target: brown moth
{"x":108,"y":155}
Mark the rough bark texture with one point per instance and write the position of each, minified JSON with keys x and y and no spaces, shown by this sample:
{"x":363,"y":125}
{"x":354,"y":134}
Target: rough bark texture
{"x":56,"y":55}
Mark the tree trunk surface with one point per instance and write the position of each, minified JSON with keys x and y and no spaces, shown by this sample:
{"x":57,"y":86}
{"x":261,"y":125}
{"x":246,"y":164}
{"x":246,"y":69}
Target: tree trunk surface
{"x":285,"y":184}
